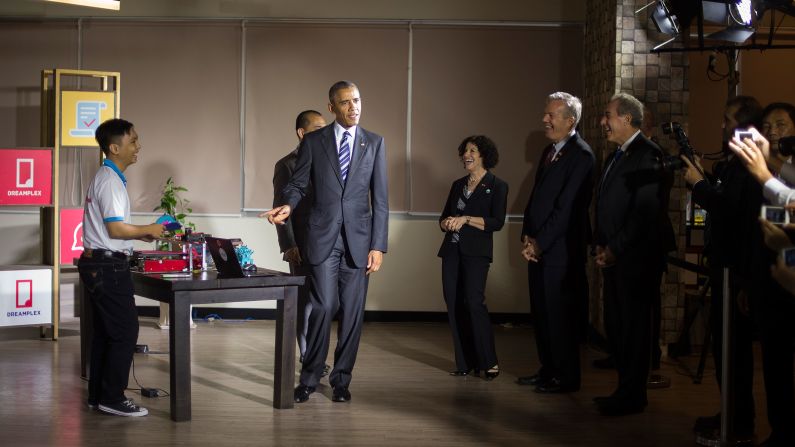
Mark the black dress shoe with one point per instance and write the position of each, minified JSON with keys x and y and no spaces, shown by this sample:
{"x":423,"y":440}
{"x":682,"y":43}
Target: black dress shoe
{"x":460,"y":373}
{"x":533,"y":380}
{"x":605,"y":363}
{"x":302,"y":392}
{"x":341,"y":394}
{"x":326,"y":370}
{"x":554,"y":386}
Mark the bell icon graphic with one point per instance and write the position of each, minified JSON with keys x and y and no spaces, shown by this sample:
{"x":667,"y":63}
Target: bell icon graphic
{"x":77,"y":238}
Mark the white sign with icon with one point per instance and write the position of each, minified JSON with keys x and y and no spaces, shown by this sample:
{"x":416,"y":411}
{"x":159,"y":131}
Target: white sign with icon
{"x":25,"y":297}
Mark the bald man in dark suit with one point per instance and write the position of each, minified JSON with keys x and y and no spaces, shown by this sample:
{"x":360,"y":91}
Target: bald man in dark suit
{"x":292,"y":235}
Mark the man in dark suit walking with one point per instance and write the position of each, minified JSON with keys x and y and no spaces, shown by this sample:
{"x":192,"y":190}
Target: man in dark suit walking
{"x":292,"y":235}
{"x":346,"y":235}
{"x":630,"y":249}
{"x":555,"y":234}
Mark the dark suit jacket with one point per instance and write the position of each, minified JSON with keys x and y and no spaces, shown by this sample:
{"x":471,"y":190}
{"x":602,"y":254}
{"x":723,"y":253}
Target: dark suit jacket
{"x":489,"y":201}
{"x":358,"y":206}
{"x":630,"y":214}
{"x":293,"y":232}
{"x":732,"y":206}
{"x":556,"y":215}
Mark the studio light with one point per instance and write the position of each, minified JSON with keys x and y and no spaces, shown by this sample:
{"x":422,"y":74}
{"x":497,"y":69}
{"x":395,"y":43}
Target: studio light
{"x":104,"y":4}
{"x":730,"y":22}
{"x":736,"y":15}
{"x":665,"y":22}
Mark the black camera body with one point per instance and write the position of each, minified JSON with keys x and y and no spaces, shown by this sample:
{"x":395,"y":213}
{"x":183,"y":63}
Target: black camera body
{"x":674,"y":162}
{"x":786,"y":146}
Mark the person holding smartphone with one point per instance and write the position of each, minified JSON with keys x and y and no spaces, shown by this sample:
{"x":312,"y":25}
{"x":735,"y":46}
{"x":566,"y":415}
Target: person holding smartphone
{"x":754,"y":152}
{"x":776,"y":304}
{"x":733,"y":203}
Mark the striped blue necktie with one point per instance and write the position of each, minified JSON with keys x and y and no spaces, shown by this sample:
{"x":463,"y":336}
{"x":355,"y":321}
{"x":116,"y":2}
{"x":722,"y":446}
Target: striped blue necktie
{"x":345,"y":155}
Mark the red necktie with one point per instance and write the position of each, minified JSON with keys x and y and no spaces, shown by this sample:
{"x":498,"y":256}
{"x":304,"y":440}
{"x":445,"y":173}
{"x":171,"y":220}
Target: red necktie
{"x":549,"y":157}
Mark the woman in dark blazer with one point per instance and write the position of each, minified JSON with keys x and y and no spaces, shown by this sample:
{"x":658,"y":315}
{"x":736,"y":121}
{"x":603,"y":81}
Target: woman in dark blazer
{"x":474,"y":210}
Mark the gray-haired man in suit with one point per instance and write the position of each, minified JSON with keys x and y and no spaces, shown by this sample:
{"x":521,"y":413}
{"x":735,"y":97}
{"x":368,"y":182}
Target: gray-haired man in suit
{"x":555,"y":236}
{"x":346,"y":235}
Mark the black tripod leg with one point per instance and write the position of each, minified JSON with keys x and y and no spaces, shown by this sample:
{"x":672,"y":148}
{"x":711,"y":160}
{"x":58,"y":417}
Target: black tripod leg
{"x":707,"y":339}
{"x":702,"y":361}
{"x":682,"y":345}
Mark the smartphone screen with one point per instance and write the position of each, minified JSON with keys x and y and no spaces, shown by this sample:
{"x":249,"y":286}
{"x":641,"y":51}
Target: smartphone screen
{"x":743,"y":134}
{"x":775,"y":214}
{"x":789,"y":256}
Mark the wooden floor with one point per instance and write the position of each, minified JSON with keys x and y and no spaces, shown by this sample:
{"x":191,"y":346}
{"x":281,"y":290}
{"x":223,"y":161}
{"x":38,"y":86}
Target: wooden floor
{"x":402,"y":395}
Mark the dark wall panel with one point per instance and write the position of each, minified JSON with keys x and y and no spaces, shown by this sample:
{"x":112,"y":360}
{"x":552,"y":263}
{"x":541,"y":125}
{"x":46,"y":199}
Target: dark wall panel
{"x":180,"y":86}
{"x":491,"y":81}
{"x":289,"y":68}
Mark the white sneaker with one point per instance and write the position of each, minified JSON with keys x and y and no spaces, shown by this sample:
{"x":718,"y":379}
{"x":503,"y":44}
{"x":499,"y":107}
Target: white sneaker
{"x":126,"y":408}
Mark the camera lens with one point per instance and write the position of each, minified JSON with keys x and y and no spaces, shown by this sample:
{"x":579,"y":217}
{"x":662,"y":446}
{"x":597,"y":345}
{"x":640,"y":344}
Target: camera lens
{"x":786,"y":146}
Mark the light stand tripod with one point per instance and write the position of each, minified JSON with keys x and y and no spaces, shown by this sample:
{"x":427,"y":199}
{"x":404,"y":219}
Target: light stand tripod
{"x":656,"y":381}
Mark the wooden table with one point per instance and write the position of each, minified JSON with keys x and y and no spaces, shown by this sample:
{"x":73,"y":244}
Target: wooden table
{"x":203,"y":288}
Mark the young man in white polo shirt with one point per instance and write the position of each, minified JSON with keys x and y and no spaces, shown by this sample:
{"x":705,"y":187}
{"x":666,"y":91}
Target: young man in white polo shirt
{"x":105,"y":270}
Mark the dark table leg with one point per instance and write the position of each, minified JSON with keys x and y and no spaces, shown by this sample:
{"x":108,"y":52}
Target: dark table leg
{"x":179,"y":356}
{"x":284,"y":362}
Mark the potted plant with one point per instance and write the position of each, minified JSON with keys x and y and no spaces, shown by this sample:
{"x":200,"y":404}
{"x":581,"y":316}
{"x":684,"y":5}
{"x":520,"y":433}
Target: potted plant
{"x":173,"y":204}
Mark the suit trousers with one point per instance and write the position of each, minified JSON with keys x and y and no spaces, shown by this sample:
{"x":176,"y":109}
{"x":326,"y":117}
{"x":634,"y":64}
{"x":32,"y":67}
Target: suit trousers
{"x":555,"y":306}
{"x":304,"y":306}
{"x":110,"y":289}
{"x":464,"y":287}
{"x":777,"y":336}
{"x":338,"y":287}
{"x":582,"y":297}
{"x":628,"y":296}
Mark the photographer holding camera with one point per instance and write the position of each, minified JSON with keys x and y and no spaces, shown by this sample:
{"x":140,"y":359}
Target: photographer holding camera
{"x":732,"y":202}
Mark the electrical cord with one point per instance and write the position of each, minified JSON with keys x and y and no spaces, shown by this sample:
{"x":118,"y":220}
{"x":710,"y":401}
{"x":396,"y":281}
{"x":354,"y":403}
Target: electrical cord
{"x":712,"y":73}
{"x":152,"y":392}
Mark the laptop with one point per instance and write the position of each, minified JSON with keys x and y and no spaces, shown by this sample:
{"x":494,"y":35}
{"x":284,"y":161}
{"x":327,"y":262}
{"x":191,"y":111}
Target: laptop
{"x":225,"y":259}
